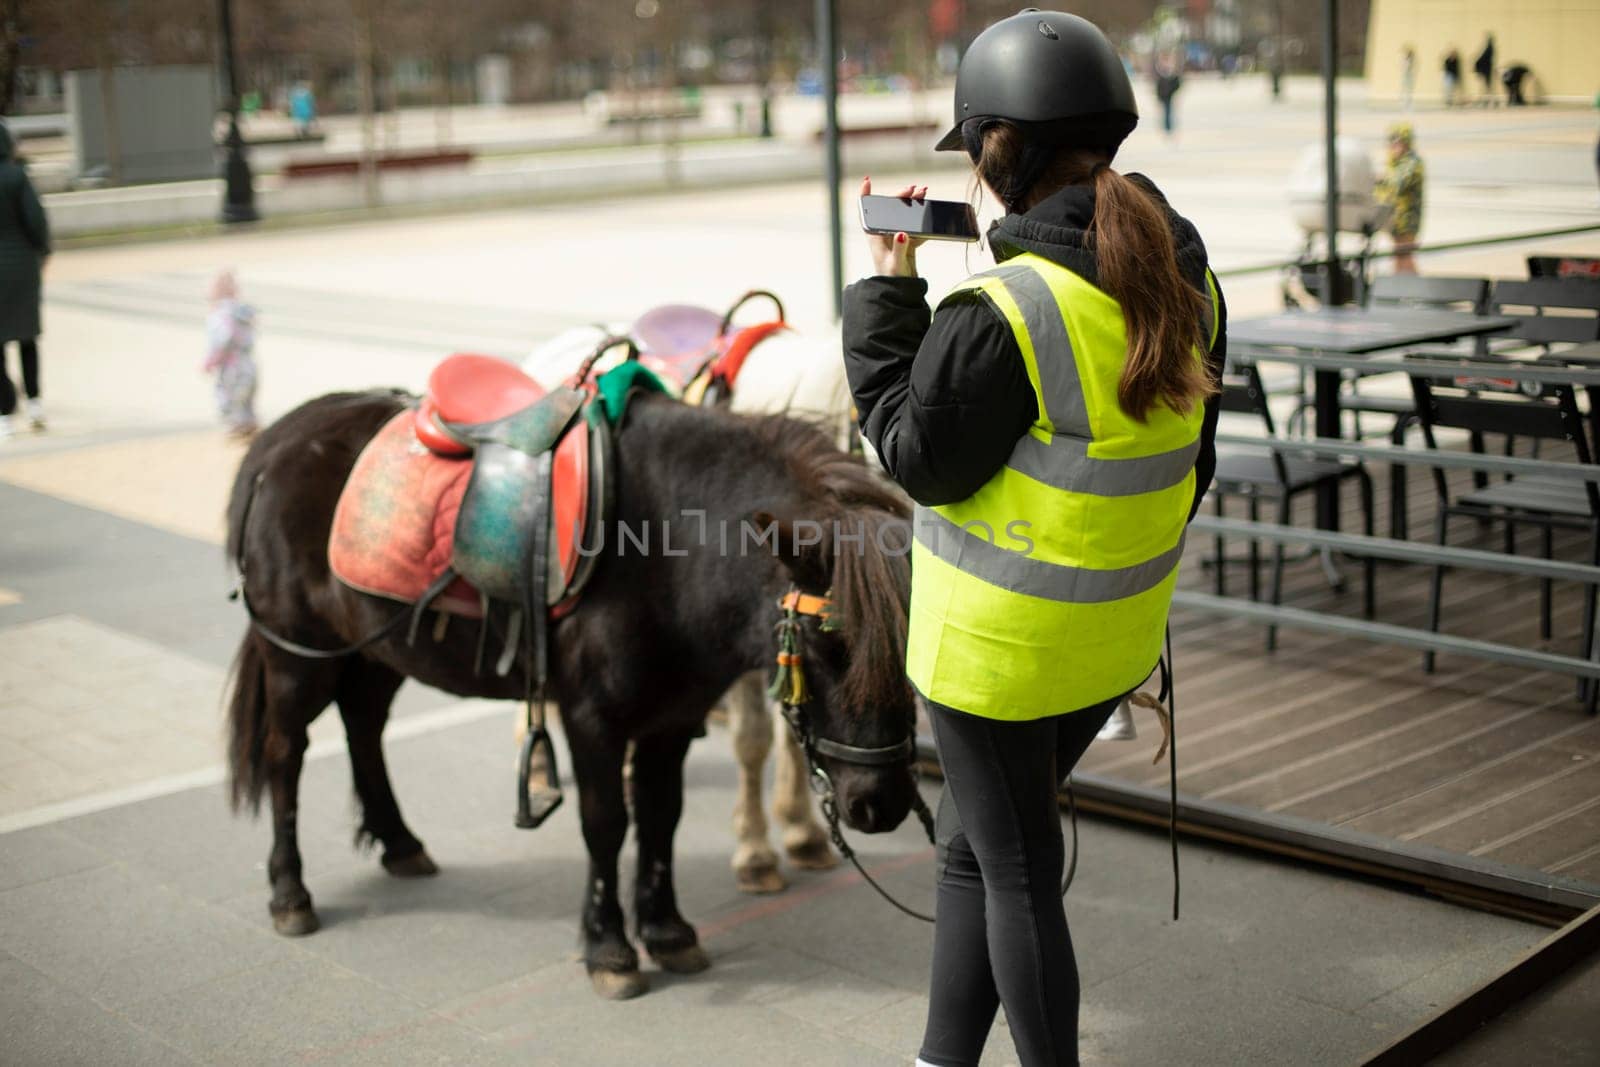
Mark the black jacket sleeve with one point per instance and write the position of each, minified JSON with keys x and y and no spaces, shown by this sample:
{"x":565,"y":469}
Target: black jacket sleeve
{"x":941,"y":398}
{"x":1205,"y":464}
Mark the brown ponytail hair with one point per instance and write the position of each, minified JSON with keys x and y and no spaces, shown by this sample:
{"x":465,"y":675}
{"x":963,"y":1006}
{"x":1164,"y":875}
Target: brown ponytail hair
{"x":1137,"y":263}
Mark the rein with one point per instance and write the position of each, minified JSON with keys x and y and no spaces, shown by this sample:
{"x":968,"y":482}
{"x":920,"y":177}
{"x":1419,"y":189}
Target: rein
{"x":294,"y":648}
{"x":789,"y":688}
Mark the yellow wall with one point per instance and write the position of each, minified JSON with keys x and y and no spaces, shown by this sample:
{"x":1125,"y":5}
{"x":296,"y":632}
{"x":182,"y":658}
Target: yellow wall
{"x":1558,"y":39}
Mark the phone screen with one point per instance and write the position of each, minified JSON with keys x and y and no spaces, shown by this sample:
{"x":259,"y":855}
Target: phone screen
{"x":939,"y":220}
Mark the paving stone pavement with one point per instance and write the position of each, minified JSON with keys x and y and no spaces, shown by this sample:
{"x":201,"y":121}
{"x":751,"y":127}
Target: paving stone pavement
{"x":118,"y":637}
{"x":177,"y":482}
{"x":141,"y":933}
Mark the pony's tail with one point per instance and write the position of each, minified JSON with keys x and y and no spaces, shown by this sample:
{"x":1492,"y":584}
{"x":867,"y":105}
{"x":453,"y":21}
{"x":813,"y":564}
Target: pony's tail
{"x":247,"y":677}
{"x":247,"y":726}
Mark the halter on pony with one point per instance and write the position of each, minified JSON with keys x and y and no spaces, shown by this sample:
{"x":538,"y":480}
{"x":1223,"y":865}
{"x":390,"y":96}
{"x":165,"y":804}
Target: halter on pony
{"x":790,"y":689}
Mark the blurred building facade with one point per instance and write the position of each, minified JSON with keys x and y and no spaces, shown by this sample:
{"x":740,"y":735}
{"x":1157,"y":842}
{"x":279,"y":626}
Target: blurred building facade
{"x":444,"y":52}
{"x":1557,"y":40}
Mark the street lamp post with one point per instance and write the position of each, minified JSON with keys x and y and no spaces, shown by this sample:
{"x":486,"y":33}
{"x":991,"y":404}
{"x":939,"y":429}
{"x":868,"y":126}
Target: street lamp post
{"x":239,"y":196}
{"x":828,"y":64}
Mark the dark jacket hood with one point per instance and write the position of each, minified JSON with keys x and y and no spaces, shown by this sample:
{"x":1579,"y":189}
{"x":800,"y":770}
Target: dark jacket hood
{"x":1056,"y":228}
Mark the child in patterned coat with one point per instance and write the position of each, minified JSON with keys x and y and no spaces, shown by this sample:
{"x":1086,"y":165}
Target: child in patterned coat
{"x":1401,"y":187}
{"x":230,"y":354}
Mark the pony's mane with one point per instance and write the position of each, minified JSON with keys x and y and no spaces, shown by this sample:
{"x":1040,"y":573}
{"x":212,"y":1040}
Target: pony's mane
{"x":872,"y":575}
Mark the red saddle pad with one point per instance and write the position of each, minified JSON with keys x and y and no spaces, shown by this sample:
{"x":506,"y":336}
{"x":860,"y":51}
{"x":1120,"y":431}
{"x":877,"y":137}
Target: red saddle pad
{"x":394,"y":527}
{"x":395,"y":524}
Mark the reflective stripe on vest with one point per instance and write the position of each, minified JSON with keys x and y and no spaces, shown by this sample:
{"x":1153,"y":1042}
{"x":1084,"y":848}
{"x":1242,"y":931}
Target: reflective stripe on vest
{"x":979,"y":555}
{"x":1047,"y":590}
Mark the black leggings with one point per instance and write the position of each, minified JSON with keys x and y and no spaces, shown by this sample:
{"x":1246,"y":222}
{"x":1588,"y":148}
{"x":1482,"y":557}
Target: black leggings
{"x":1001,"y":935}
{"x":30,"y":375}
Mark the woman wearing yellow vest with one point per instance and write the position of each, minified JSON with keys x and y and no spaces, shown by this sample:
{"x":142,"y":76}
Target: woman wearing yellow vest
{"x":1051,"y":420}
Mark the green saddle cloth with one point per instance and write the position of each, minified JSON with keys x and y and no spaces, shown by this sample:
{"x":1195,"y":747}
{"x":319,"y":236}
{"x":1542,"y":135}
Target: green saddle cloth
{"x":618,"y":384}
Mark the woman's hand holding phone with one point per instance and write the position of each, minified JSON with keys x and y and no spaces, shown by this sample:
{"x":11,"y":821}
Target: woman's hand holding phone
{"x":894,"y":256}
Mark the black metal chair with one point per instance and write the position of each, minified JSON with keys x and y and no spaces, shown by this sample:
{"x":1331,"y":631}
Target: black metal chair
{"x":1264,"y":474}
{"x":1549,"y":311}
{"x":1545,"y":502}
{"x":1467,"y":295}
{"x":1450,"y":293}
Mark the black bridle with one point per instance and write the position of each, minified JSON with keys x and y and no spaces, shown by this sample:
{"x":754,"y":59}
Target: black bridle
{"x":790,"y":690}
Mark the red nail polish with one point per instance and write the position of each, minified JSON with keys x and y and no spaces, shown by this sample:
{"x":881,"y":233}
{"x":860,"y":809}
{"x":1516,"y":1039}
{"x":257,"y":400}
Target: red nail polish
{"x":900,"y":237}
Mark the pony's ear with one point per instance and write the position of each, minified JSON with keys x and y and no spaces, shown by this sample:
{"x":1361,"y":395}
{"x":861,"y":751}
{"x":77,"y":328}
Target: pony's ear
{"x":799,"y":544}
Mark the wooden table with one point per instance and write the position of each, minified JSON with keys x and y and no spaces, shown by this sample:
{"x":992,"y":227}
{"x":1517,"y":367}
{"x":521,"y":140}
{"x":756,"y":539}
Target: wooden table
{"x":1350,"y":331}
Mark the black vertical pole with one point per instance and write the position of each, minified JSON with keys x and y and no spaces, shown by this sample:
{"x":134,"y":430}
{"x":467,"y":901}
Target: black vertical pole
{"x":828,"y":60}
{"x":1327,"y":382}
{"x":1330,"y":130}
{"x":239,"y":196}
{"x":764,"y":55}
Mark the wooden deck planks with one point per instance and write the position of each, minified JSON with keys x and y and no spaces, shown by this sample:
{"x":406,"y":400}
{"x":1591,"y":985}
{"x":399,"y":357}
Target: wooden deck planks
{"x":1476,"y":758}
{"x":1389,"y":795}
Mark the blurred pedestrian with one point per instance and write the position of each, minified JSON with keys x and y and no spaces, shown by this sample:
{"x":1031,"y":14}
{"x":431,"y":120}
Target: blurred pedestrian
{"x":230,"y":354}
{"x":24,"y":246}
{"x":1098,"y":334}
{"x":1452,"y":76}
{"x":303,"y":109}
{"x":1408,"y":76}
{"x":1484,"y":68}
{"x":1513,"y":78}
{"x":1168,"y":82}
{"x":1401,"y":188}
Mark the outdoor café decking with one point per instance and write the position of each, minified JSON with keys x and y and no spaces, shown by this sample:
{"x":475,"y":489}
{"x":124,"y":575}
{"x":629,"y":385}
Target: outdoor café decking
{"x":1478,"y":758}
{"x":1338,"y":734}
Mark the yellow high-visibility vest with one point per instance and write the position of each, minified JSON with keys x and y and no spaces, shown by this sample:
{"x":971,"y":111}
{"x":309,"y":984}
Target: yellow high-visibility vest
{"x":1047,"y":590}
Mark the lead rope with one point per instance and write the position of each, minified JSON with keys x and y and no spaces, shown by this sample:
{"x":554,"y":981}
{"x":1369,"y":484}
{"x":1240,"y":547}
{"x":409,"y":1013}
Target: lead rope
{"x":830,"y":811}
{"x":1169,"y":683}
{"x":790,"y":690}
{"x":822,"y":785}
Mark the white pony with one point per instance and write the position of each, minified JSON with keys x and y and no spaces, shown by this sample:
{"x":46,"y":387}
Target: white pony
{"x":794,"y":374}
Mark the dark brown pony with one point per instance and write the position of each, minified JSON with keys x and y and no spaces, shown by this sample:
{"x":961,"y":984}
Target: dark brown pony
{"x":659,"y":634}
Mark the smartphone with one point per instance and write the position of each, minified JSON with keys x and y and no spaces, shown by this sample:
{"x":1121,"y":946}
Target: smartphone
{"x":935,"y":220}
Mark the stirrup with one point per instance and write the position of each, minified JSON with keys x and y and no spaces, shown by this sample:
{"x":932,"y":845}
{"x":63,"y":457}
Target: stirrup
{"x":536,"y":804}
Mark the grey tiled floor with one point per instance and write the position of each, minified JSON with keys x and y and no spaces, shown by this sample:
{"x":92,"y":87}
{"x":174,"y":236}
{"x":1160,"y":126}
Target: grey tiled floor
{"x":140,"y":933}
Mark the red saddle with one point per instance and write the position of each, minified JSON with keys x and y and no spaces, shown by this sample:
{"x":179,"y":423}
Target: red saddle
{"x":394,"y":527}
{"x":467,"y":389}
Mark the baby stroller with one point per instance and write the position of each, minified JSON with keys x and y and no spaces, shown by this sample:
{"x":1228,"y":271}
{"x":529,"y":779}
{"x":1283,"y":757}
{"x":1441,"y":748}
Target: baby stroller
{"x":1360,"y":213}
{"x":1306,"y":280}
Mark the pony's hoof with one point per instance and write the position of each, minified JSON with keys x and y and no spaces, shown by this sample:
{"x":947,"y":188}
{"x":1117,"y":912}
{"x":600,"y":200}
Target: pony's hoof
{"x":296,"y":922}
{"x":690,"y":960}
{"x":760,"y":878}
{"x":417,"y":865}
{"x":619,"y":985}
{"x":814,"y":855}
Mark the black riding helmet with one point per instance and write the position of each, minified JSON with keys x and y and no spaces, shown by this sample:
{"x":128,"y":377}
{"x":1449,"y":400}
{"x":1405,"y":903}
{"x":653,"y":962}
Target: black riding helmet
{"x":1050,"y":72}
